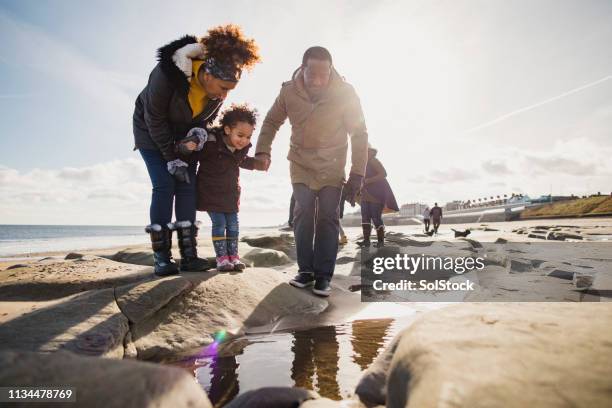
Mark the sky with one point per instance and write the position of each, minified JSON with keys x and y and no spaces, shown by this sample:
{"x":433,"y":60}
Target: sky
{"x":463,"y":99}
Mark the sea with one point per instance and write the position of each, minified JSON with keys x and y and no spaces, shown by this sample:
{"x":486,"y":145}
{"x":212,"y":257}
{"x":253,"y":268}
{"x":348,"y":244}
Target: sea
{"x":24,"y":240}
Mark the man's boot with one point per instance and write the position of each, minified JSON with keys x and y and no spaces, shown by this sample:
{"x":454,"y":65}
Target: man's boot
{"x":161,"y":242}
{"x":367,"y":230}
{"x":187,"y":232}
{"x":380,"y":235}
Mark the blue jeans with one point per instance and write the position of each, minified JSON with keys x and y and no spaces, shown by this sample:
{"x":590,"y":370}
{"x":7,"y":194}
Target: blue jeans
{"x":316,"y":226}
{"x":166,"y":190}
{"x":224,"y":224}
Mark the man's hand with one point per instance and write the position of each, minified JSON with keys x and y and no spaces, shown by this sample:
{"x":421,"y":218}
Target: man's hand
{"x":179,"y":169}
{"x":352,"y":188}
{"x":262,"y":161}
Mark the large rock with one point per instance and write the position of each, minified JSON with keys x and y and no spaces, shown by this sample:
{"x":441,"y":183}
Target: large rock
{"x":89,"y":323}
{"x":54,"y":279}
{"x":102,"y":382}
{"x":483,"y":355}
{"x":188,"y":317}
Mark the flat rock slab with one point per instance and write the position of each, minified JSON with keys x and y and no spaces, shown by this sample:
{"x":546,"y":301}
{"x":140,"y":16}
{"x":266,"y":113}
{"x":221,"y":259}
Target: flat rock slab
{"x":103,"y":382}
{"x":508,"y":354}
{"x":218,"y":302}
{"x":57,"y":279}
{"x":89,"y":324}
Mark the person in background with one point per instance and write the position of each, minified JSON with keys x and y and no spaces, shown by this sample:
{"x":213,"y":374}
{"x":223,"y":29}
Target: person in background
{"x":426,"y":218}
{"x":436,"y":217}
{"x":376,"y":197}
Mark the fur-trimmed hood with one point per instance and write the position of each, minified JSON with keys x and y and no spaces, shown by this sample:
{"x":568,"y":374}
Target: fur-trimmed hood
{"x":175,"y":60}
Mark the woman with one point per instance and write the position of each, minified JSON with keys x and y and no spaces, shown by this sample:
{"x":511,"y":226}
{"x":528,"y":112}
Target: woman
{"x":183,"y":95}
{"x":376,"y":197}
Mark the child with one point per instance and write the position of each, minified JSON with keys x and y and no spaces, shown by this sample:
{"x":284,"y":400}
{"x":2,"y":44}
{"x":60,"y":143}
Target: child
{"x":218,"y":186}
{"x":376,"y":197}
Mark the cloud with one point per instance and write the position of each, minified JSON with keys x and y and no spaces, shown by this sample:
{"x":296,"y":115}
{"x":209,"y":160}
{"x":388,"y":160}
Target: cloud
{"x":498,"y":168}
{"x":119,"y":193}
{"x":33,"y":48}
{"x":451,"y":174}
{"x":561,"y":165}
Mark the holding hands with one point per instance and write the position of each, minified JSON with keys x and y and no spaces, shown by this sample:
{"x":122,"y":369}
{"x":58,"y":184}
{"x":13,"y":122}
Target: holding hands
{"x":262,"y":161}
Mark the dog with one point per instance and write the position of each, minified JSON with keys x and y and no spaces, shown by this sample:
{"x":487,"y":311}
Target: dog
{"x":461,"y":233}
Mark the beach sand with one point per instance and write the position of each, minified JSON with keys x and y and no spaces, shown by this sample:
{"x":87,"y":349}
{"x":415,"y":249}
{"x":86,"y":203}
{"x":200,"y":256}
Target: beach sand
{"x":106,"y":303}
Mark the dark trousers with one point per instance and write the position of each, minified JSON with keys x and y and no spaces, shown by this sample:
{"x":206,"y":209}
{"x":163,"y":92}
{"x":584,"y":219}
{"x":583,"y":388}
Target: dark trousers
{"x":426,"y":222}
{"x":316,"y":226}
{"x":436,"y":224}
{"x":371,"y":213}
{"x":291,"y":208}
{"x":167,"y":191}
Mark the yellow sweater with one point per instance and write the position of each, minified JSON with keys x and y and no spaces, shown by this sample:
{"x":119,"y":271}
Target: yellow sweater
{"x":197,"y":95}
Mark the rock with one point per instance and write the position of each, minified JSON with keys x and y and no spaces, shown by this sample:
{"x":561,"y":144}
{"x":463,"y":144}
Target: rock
{"x":558,"y":273}
{"x":103,"y":382}
{"x":89,"y":324}
{"x":567,"y":235}
{"x":538,"y":236}
{"x":328,"y":403}
{"x":501,"y":241}
{"x":490,"y":229}
{"x":483,"y":355}
{"x":475,"y":244}
{"x":519,"y":265}
{"x":552,"y":235}
{"x":372,"y":387}
{"x":73,"y":255}
{"x":133,"y":257}
{"x":231,"y":302}
{"x":54,"y":280}
{"x":16,"y":266}
{"x":260,"y":257}
{"x":283,"y":242}
{"x":583,"y":282}
{"x":273,"y":397}
{"x":141,"y":300}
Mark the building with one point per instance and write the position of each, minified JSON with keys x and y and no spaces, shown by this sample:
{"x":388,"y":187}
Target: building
{"x":412,"y":209}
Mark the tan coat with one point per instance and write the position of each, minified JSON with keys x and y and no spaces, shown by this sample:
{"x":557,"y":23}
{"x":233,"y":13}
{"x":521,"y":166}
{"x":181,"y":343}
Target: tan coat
{"x":319,"y":132}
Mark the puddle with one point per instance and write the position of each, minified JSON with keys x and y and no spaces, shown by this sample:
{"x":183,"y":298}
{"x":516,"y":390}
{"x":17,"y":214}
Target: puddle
{"x":329,"y":360}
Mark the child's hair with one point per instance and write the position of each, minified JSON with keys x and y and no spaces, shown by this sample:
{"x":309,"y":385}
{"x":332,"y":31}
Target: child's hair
{"x":228,"y":44}
{"x":238,"y":113}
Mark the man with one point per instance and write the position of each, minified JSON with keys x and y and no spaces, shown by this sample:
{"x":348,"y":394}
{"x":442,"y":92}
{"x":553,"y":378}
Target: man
{"x":322,"y":109}
{"x":436,"y":217}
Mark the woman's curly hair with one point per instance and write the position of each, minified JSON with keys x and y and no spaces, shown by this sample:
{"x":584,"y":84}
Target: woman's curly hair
{"x":228,"y":44}
{"x":238,"y":113}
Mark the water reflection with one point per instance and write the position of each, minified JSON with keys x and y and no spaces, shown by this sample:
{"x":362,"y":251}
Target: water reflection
{"x":329,"y":360}
{"x":315,"y":358}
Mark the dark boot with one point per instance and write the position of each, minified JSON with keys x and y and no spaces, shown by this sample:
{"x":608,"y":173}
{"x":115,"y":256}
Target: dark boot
{"x":187,"y":232}
{"x":380,"y":235}
{"x":367,"y":230}
{"x":161,"y":241}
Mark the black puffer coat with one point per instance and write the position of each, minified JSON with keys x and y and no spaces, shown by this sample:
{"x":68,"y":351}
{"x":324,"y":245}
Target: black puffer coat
{"x":218,"y":177}
{"x":162,"y":115}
